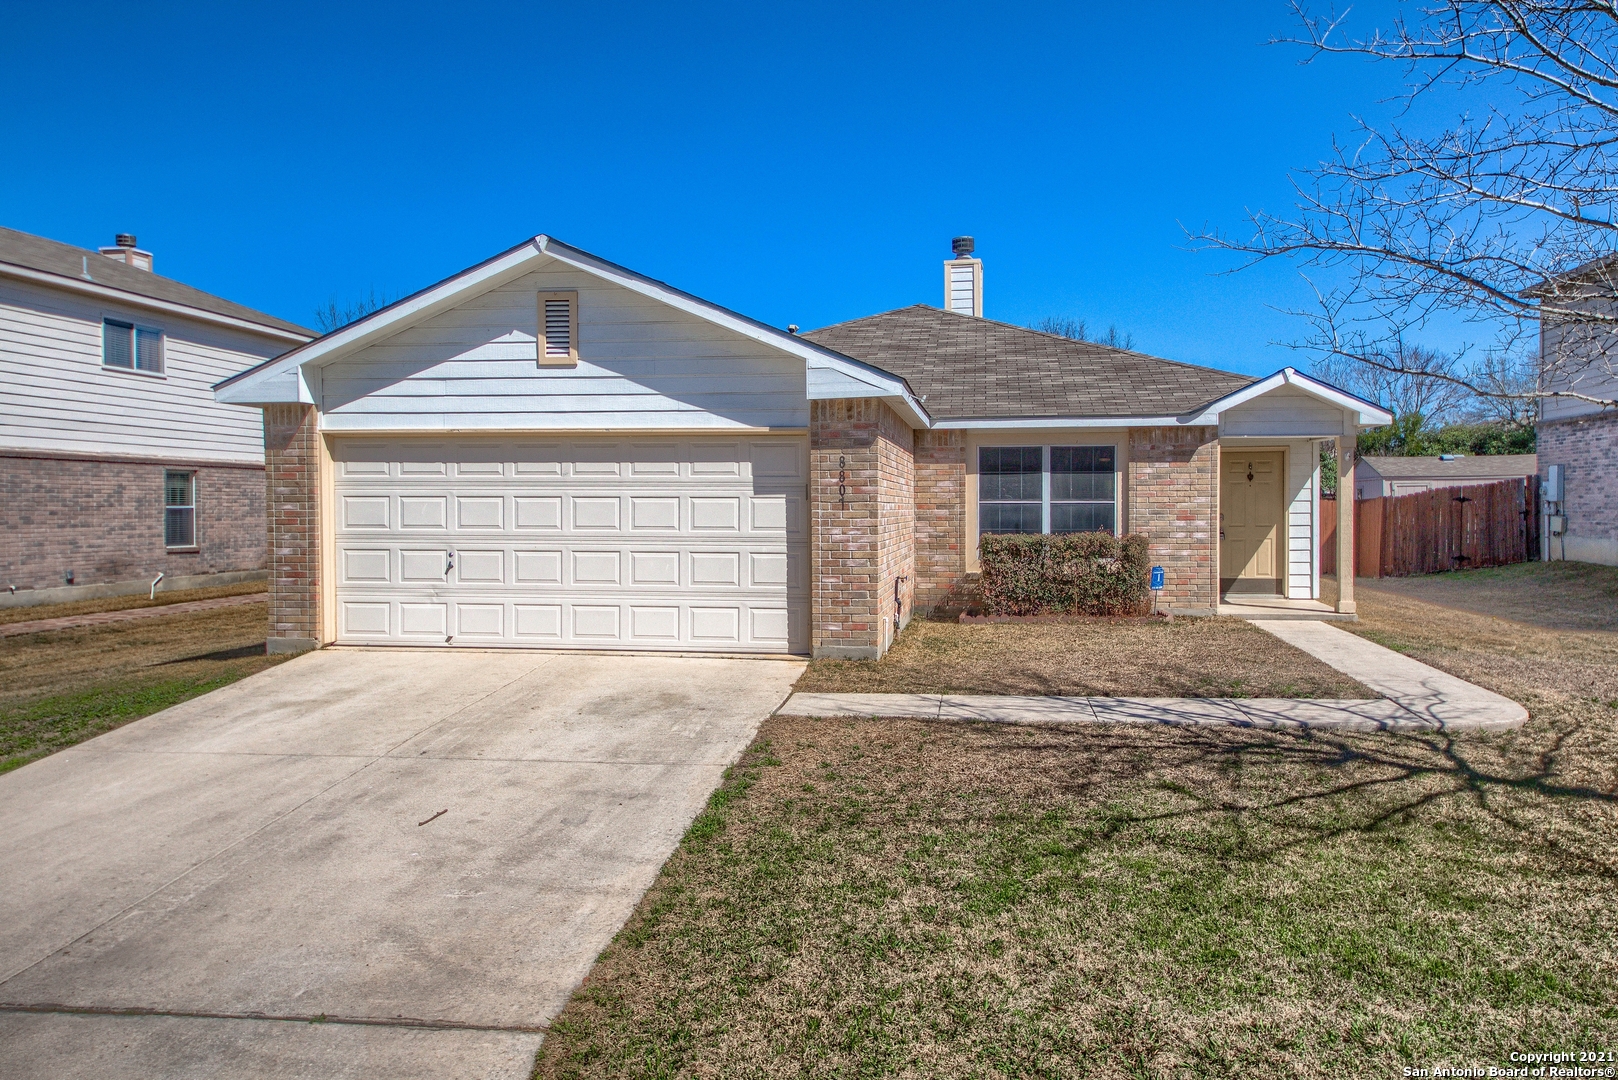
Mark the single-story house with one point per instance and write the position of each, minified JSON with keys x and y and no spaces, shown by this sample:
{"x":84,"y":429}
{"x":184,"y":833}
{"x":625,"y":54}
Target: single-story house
{"x":117,"y":463}
{"x":550,"y":450}
{"x":1375,"y":477}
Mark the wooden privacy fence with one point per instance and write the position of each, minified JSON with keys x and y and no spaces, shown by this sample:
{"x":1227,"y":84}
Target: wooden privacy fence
{"x":1454,"y":528}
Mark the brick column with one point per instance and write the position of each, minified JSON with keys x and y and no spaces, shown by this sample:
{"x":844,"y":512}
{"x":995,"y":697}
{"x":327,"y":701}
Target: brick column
{"x":940,"y":514}
{"x":862,"y":506}
{"x":292,"y":496}
{"x":1174,"y":502}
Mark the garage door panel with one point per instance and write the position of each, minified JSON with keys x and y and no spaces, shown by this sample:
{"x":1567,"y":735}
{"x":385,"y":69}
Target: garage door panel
{"x":688,"y":543}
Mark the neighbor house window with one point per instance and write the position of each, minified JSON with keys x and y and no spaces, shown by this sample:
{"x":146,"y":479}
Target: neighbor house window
{"x":559,"y":328}
{"x":133,"y":348}
{"x":179,"y":509}
{"x":1047,"y":489}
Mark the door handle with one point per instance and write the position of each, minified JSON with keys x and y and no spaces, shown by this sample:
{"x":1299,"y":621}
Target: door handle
{"x":449,"y":563}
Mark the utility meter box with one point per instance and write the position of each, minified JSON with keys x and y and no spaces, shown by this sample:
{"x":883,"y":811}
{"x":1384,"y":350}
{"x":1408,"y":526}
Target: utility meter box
{"x":1557,"y":524}
{"x":1554,"y":483}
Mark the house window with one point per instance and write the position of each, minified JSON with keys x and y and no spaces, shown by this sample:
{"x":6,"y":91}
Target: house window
{"x":179,"y":509}
{"x":1047,"y":489}
{"x":558,"y":329}
{"x":130,"y":347}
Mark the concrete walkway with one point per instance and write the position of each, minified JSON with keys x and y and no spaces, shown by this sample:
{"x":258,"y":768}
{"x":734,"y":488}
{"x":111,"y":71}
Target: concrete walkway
{"x":102,"y":618}
{"x":424,"y":850}
{"x":1439,"y":699}
{"x":1415,"y":698}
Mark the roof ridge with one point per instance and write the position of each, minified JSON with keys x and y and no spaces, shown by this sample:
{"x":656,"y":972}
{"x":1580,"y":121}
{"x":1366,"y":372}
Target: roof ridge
{"x":1043,"y":334}
{"x":114,"y":275}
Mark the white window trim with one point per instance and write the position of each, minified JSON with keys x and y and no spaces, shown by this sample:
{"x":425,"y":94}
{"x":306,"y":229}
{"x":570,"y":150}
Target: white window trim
{"x":195,"y":544}
{"x":572,"y":357}
{"x":134,"y":346}
{"x":1045,"y":483}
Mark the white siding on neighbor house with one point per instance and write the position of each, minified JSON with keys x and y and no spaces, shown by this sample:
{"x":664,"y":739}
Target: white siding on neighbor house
{"x":642,"y":365}
{"x":55,"y":395}
{"x":1596,"y":377}
{"x":1284,"y":411}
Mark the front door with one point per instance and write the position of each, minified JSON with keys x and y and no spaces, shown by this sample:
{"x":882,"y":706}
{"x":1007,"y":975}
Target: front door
{"x":1250,"y":527}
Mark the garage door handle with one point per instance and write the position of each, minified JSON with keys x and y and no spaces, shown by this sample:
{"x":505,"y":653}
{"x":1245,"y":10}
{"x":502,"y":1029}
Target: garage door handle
{"x":449,"y":564}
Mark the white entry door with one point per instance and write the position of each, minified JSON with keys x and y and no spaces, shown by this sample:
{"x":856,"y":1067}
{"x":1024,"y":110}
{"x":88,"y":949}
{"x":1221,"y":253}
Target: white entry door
{"x":684,"y":543}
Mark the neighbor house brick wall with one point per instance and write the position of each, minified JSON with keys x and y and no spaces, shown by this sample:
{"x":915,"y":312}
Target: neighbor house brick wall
{"x":101,"y":518}
{"x":292,"y":484}
{"x":940,"y":514}
{"x":1588,"y":448}
{"x":1174,"y":502}
{"x":862,"y":501}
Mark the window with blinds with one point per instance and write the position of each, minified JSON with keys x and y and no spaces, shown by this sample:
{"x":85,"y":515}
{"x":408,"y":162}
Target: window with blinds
{"x":131,"y":348}
{"x":179,"y":509}
{"x":558,"y":328}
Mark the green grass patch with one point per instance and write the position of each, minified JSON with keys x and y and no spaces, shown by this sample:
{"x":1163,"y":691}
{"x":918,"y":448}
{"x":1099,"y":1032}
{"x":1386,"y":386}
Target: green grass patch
{"x":42,"y":727}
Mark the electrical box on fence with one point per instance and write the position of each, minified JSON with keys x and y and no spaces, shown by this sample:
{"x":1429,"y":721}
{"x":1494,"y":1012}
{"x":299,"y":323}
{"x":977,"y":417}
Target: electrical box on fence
{"x":1554,"y":482}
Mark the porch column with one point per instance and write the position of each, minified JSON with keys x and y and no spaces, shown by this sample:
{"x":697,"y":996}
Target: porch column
{"x":1345,"y":523}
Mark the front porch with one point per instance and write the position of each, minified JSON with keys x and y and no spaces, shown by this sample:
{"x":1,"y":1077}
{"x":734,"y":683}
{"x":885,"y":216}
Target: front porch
{"x":1264,"y":608}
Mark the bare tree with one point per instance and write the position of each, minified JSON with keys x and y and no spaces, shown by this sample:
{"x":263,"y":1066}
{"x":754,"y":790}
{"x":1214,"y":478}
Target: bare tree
{"x":333,"y":316}
{"x":1079,"y":330}
{"x":1501,"y":221}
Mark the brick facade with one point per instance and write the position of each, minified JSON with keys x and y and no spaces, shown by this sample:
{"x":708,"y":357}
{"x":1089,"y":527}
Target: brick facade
{"x":1174,"y":500}
{"x":940,"y":514}
{"x":100,"y":520}
{"x":1588,"y":448}
{"x":292,"y":481}
{"x":862,"y":506}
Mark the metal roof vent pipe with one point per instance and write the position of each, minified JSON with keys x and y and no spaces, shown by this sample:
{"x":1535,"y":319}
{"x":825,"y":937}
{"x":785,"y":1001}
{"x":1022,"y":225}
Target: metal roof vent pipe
{"x":963,"y":279}
{"x":125,"y":250}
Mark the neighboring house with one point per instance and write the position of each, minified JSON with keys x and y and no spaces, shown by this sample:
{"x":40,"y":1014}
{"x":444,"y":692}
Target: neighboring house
{"x":1375,"y":477}
{"x":116,"y":461}
{"x":549,"y":450}
{"x":1580,"y":436}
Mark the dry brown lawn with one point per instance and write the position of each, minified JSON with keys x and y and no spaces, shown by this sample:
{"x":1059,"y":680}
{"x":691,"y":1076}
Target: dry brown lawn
{"x":1126,"y":657}
{"x":123,"y":603}
{"x":917,"y":899}
{"x":65,"y":686}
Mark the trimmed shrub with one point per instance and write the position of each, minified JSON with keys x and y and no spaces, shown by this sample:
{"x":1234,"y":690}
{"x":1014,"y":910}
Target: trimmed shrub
{"x":1089,"y":573}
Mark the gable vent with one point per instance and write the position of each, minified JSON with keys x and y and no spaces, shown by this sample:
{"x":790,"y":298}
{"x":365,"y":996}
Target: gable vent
{"x":558,"y":328}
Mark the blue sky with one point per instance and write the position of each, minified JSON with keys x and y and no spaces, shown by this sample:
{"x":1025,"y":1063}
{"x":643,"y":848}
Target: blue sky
{"x":799,"y":163}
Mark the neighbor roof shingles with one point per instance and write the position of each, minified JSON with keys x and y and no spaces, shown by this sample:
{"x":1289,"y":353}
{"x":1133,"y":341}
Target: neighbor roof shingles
{"x":1481,"y":466}
{"x":970,"y":368}
{"x":53,"y":257}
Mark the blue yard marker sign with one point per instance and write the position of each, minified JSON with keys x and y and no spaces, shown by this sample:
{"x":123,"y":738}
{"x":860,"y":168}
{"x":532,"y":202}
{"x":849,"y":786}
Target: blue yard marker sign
{"x":1157,"y":577}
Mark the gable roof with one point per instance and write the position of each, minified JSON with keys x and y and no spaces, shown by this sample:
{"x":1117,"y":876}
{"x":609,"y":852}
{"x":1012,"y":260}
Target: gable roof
{"x":972,"y":368}
{"x":829,"y":374}
{"x":1480,"y":466}
{"x":56,"y":263}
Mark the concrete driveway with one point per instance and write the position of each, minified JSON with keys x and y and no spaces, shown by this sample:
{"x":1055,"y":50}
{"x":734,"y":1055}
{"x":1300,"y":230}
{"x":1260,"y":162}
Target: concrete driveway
{"x":182,"y":897}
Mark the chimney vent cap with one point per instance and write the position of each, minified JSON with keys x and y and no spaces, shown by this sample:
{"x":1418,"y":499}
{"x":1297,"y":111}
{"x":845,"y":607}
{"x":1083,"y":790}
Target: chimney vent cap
{"x":125,"y":240}
{"x":963,"y":246}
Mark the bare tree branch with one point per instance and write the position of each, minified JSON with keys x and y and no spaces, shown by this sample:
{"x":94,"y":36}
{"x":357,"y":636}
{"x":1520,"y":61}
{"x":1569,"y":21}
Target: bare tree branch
{"x":1502,"y":218}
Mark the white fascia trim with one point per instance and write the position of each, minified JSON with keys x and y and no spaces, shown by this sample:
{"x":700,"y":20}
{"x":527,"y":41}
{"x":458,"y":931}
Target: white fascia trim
{"x":883,"y":384}
{"x":1368,"y":414}
{"x":107,"y":292}
{"x":239,"y":389}
{"x":1060,"y":422}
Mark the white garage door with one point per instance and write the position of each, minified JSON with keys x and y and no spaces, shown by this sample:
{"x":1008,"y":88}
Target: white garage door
{"x":680,"y":543}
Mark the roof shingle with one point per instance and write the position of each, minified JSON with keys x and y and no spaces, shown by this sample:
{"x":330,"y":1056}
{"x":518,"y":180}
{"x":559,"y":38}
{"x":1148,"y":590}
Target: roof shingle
{"x":970,"y":368}
{"x":53,"y":257}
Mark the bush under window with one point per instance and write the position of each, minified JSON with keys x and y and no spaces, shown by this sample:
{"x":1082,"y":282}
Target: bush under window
{"x":1089,"y":573}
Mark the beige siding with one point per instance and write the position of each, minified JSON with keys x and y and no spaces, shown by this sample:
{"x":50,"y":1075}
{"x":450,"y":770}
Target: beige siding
{"x":1282,"y":412}
{"x":55,"y":395}
{"x":642,"y":365}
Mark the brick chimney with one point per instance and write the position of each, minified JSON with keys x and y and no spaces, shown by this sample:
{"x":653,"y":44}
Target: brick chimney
{"x":963,"y":279}
{"x":125,"y":251}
